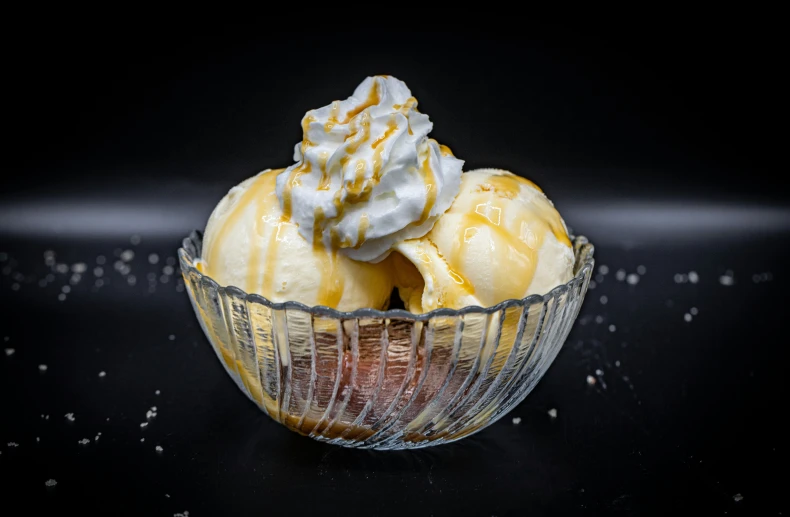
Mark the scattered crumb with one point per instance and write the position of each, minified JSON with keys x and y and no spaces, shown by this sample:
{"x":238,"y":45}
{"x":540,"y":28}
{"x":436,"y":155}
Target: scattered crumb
{"x":612,"y":328}
{"x":84,"y":441}
{"x":79,"y":267}
{"x":693,"y":311}
{"x":144,"y":424}
{"x":9,"y":351}
{"x":102,"y":374}
{"x":69,"y":417}
{"x":50,"y":482}
{"x":687,"y":317}
{"x":737,"y":498}
{"x":604,"y":299}
{"x":157,"y":392}
{"x":598,"y":372}
{"x":13,"y":444}
{"x":620,"y":275}
{"x":693,"y":277}
{"x":38,"y":439}
{"x":96,"y":439}
{"x":617,"y":364}
{"x":171,"y":337}
{"x":179,"y":514}
{"x":553,"y":413}
{"x":632,"y":279}
{"x":127,"y":255}
{"x":591,"y":380}
{"x":516,"y":420}
{"x":142,"y":440}
{"x":167,"y":495}
{"x":603,"y":269}
{"x":159,"y":448}
{"x":42,"y":367}
{"x":727,"y":278}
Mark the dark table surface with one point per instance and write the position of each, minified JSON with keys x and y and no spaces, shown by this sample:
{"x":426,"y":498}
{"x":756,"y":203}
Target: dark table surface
{"x":684,"y":342}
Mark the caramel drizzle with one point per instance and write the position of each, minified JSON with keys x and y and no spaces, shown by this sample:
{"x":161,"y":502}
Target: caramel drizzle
{"x":373,"y":99}
{"x":509,"y":185}
{"x":364,"y":224}
{"x":430,"y":187}
{"x":304,"y":167}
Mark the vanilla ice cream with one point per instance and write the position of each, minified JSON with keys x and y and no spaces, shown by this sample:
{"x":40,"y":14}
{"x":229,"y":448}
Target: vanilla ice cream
{"x":366,"y":174}
{"x":248,"y":243}
{"x":502,"y":238}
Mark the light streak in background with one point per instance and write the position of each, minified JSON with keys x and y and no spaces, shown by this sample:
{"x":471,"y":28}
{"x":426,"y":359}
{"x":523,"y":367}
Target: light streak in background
{"x":604,"y":221}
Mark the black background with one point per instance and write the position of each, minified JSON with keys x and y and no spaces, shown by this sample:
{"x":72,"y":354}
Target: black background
{"x":659,"y":144}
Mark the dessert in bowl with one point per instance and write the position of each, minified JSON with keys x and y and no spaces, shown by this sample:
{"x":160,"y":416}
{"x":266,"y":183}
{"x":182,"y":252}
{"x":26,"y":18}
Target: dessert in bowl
{"x":293,"y":279}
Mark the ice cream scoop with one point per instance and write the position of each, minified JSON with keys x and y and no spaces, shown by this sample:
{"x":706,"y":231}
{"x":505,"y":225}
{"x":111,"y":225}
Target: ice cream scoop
{"x":366,"y":174}
{"x":501,"y":239}
{"x":248,"y":243}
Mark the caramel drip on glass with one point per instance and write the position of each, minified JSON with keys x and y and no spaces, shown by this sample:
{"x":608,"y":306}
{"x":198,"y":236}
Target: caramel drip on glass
{"x":330,"y":289}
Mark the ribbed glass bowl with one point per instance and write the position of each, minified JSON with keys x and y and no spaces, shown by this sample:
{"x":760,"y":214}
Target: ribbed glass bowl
{"x":384,"y":379}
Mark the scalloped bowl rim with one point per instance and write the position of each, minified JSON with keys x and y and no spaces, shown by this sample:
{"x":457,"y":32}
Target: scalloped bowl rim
{"x":585,"y":251}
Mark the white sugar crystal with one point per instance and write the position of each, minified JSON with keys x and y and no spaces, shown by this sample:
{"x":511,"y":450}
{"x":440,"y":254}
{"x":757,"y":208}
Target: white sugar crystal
{"x":153,"y":258}
{"x":42,"y":367}
{"x":79,"y":267}
{"x":157,"y":392}
{"x":98,"y":271}
{"x":680,"y":278}
{"x":70,"y":417}
{"x":737,"y":498}
{"x":127,"y":255}
{"x":640,"y":269}
{"x":620,"y":275}
{"x":632,"y":279}
{"x":693,"y":277}
{"x":131,"y":279}
{"x":599,"y":319}
{"x":144,"y":424}
{"x":591,"y":380}
{"x":516,"y":420}
{"x":592,"y":285}
{"x":62,"y":268}
{"x":50,"y":482}
{"x":13,"y":444}
{"x":553,"y":413}
{"x":62,"y":297}
{"x":168,"y":270}
{"x":603,"y":269}
{"x":617,"y":364}
{"x":171,"y":337}
{"x":102,"y":373}
{"x":612,"y":328}
{"x":38,"y":439}
{"x":693,"y":311}
{"x":84,"y":441}
{"x":727,"y":278}
{"x":598,"y":372}
{"x":142,"y":440}
{"x":604,"y":299}
{"x":135,"y":239}
{"x":9,"y":351}
{"x":159,"y":448}
{"x":65,"y":289}
{"x":687,"y":317}
{"x":101,"y":259}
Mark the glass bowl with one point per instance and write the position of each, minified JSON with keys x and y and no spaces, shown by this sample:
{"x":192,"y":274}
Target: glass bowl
{"x":384,"y":379}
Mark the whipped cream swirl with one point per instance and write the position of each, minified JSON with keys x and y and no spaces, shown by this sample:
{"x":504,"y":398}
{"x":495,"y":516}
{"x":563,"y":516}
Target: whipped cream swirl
{"x":367,"y":175}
